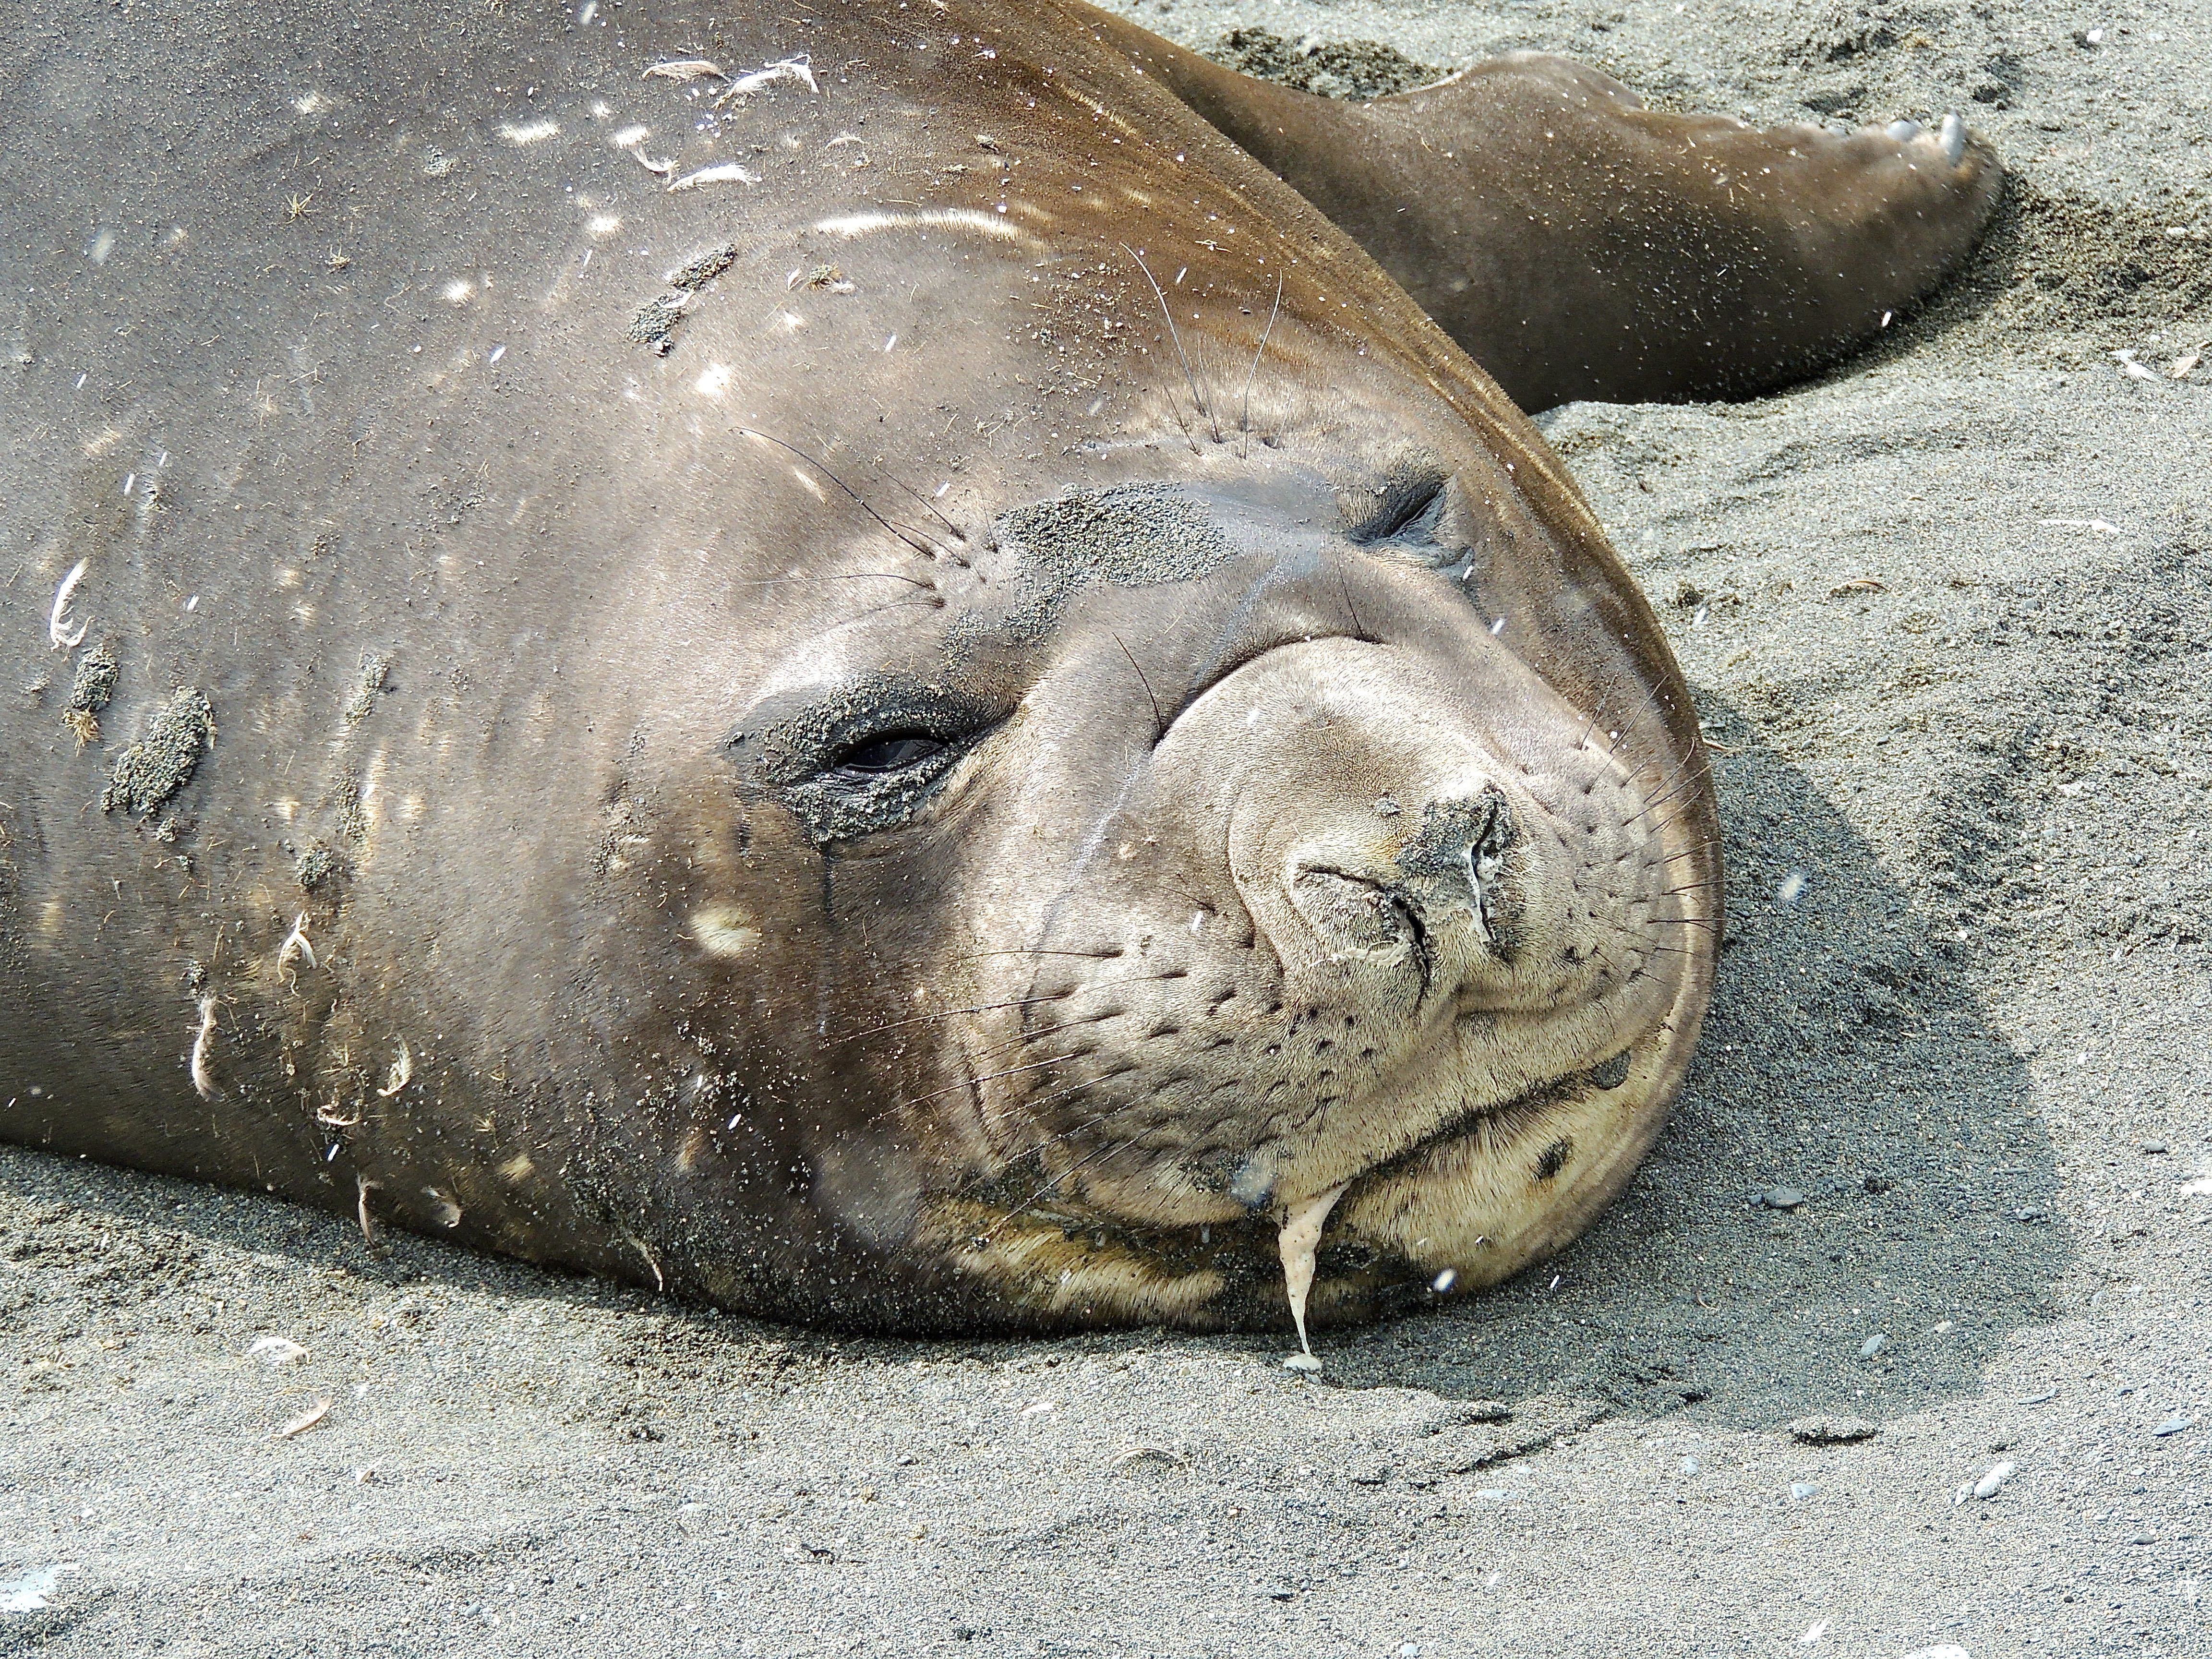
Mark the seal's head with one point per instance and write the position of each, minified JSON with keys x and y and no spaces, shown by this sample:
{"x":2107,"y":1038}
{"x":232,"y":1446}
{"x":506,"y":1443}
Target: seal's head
{"x":1158,"y":769}
{"x":1260,"y":846}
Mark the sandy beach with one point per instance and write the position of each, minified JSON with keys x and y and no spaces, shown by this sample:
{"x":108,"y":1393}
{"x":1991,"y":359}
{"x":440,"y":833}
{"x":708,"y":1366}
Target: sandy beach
{"x":1897,"y":1345}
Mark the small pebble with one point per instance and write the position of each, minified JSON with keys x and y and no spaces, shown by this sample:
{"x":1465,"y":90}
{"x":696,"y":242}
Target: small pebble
{"x":1874,"y":1345}
{"x":1277,"y":1592}
{"x":1782,"y":1198}
{"x":1801,"y":1490}
{"x":1411,"y":1651}
{"x":2174,"y":1425}
{"x":1988,"y":1485}
{"x":2154,"y":1146}
{"x":1690,"y":1466}
{"x":2042,"y":1399}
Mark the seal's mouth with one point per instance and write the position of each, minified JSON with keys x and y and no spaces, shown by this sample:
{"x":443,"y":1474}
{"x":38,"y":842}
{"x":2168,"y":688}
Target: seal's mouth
{"x":1270,"y":1269}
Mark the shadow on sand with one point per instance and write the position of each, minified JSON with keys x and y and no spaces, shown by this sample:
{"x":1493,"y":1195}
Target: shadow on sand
{"x":1848,"y":1060}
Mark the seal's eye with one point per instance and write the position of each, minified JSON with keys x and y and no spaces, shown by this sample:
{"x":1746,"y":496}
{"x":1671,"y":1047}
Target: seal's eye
{"x":876,"y":781}
{"x":863,"y":756}
{"x":894,"y":753}
{"x":1408,"y":509}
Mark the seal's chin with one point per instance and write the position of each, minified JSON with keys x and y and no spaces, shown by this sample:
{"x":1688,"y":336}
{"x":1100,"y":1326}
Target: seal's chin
{"x":1466,"y":1207}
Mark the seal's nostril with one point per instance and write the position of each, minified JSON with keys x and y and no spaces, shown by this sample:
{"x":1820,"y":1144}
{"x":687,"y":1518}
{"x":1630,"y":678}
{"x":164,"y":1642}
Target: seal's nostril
{"x":1352,"y":913}
{"x":1461,"y":849}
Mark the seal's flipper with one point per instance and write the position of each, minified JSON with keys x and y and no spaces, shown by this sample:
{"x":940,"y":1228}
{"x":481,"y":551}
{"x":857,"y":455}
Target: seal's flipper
{"x":1578,"y":245}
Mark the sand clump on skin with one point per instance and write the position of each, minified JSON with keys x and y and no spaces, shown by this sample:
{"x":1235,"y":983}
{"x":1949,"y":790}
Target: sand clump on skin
{"x":90,"y":691}
{"x":161,"y":762}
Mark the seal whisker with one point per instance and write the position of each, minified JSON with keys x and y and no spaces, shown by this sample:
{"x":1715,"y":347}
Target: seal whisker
{"x":1190,"y":379}
{"x":1081,"y":1163}
{"x":989,"y":1007}
{"x":994,"y":1119}
{"x":855,"y":576}
{"x":1359,"y":628}
{"x":1036,"y":1101}
{"x":1707,"y":924}
{"x":1665,"y":799}
{"x":1015,"y":1042}
{"x":1650,"y":701}
{"x":897,"y":604}
{"x":1657,"y":756}
{"x":1244,"y":415}
{"x":1159,"y":726}
{"x":1701,"y":761}
{"x":990,"y":1077}
{"x":1086,"y":956}
{"x":930,"y":508}
{"x":913,"y":539}
{"x":944,"y":1014}
{"x":1012,"y":1216}
{"x":982,"y":1177}
{"x":1604,"y":702}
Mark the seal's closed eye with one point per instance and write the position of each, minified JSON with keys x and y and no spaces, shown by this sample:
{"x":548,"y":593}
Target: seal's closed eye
{"x":1409,"y":507}
{"x":890,"y":753}
{"x":850,"y":770}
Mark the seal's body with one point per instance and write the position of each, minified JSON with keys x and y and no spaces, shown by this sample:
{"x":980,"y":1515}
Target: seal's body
{"x":851,"y":667}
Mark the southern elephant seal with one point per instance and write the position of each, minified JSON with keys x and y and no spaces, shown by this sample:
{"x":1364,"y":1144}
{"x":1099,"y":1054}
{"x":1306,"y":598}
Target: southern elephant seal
{"x":853,"y":667}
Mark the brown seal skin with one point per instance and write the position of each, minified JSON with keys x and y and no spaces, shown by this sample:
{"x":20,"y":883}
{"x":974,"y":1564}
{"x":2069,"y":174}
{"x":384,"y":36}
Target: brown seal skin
{"x":881,"y":683}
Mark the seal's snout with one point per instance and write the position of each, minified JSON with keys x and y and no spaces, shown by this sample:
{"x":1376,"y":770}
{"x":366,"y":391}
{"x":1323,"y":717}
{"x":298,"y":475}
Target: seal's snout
{"x":1413,"y":909}
{"x":1379,"y":940}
